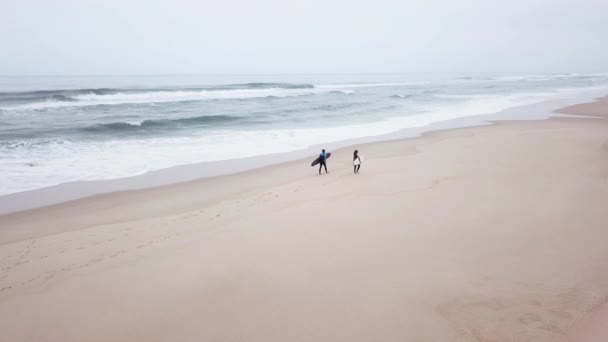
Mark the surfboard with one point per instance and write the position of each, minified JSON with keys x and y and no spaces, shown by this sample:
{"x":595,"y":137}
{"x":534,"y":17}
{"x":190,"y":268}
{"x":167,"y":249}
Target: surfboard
{"x":318,"y":160}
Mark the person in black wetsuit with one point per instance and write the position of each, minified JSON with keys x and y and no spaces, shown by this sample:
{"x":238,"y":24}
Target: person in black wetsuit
{"x":323,"y":157}
{"x":356,"y":161}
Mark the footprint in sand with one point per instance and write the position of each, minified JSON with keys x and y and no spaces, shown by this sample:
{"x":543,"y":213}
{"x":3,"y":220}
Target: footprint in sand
{"x":560,"y":314}
{"x":529,"y":318}
{"x":117,"y":253}
{"x":552,"y":328}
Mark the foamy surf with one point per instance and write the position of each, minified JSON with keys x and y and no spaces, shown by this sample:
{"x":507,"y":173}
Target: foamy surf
{"x":160,"y":97}
{"x":53,"y":136}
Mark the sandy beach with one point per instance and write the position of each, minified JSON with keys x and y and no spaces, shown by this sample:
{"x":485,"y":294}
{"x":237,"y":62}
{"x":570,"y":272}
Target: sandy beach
{"x":494,"y":233}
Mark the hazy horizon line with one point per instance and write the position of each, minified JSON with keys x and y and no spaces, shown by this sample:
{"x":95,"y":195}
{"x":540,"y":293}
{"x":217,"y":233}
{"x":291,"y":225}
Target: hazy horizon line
{"x":307,"y":73}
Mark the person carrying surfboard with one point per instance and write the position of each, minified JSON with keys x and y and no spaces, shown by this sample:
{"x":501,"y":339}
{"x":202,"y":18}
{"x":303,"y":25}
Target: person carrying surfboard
{"x":356,"y":161}
{"x":322,"y":161}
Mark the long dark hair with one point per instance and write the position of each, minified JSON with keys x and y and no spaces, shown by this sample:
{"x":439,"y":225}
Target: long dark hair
{"x":355,"y":154}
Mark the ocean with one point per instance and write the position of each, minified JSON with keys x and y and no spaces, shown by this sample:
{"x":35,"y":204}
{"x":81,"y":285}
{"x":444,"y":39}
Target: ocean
{"x":59,"y":129}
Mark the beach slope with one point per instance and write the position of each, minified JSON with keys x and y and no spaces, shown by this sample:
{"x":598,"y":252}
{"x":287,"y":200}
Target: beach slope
{"x":494,"y":233}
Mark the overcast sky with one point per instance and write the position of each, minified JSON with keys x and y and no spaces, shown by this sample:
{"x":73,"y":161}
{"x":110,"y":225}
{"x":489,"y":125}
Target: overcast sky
{"x":312,"y":36}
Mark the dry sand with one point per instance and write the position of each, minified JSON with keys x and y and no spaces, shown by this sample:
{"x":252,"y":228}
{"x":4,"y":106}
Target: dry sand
{"x":494,"y":233}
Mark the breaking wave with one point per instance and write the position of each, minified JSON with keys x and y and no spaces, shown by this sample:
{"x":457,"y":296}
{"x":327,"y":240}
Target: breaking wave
{"x":160,"y":124}
{"x":43,"y":99}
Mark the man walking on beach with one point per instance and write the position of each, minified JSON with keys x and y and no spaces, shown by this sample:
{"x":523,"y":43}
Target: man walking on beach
{"x":322,"y":163}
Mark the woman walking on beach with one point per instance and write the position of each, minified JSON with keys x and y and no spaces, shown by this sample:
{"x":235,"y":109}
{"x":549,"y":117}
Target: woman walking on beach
{"x":356,"y":161}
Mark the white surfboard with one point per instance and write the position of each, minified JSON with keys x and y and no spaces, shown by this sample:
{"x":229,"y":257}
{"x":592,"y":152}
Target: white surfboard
{"x":358,"y":161}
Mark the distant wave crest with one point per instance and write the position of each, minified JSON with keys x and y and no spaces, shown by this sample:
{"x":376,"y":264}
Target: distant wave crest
{"x":43,"y":99}
{"x":549,"y":77}
{"x":159,"y":124}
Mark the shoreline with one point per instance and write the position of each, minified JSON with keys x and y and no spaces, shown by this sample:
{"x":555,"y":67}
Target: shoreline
{"x":24,"y":223}
{"x":463,"y":234}
{"x":78,"y":190}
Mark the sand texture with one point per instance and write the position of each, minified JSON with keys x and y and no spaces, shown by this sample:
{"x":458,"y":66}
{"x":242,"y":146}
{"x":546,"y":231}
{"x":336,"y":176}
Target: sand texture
{"x":495,"y":233}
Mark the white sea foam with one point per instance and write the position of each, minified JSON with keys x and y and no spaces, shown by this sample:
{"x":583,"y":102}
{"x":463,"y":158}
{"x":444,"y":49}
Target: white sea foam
{"x":540,"y":78}
{"x":136,"y":123}
{"x":62,"y":161}
{"x":164,"y":97}
{"x":93,"y":99}
{"x":368,"y":85}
